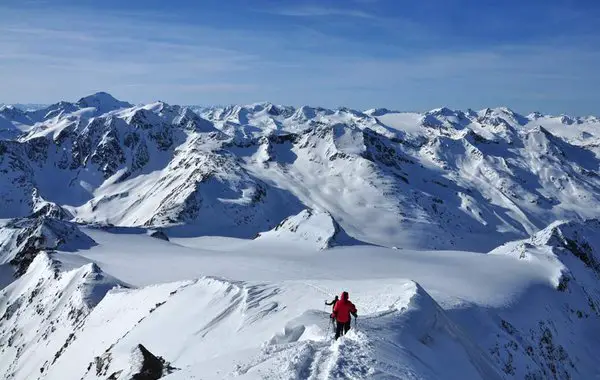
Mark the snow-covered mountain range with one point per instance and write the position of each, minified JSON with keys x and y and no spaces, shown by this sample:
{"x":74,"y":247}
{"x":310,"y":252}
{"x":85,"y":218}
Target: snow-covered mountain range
{"x":443,"y":179}
{"x":199,"y":242}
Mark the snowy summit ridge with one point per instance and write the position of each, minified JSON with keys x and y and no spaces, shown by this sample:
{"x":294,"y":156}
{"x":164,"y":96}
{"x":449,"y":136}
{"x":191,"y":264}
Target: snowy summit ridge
{"x":468,"y":241}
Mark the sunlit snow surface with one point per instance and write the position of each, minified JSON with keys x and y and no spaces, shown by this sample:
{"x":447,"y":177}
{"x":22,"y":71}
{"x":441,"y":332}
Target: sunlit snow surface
{"x":230,"y":308}
{"x":458,"y":234}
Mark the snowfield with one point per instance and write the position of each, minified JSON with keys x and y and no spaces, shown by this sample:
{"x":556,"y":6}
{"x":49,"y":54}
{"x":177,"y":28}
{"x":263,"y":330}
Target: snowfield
{"x":165,"y":242}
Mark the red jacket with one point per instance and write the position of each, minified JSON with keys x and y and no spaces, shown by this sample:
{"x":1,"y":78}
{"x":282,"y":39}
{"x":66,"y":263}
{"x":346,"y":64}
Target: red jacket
{"x":343,"y":308}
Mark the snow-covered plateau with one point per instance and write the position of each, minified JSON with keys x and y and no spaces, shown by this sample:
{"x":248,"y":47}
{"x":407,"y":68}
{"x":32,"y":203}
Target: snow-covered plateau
{"x":166,"y":242}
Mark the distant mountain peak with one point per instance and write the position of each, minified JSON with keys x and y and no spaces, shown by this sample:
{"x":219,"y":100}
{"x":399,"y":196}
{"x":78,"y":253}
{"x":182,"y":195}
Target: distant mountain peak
{"x":535,"y":115}
{"x":103,"y":102}
{"x":379,"y":111}
{"x":6,"y":107}
{"x":443,"y":111}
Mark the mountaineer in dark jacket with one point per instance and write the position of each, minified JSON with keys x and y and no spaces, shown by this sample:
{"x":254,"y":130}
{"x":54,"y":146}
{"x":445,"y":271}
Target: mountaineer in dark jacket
{"x":332,"y":303}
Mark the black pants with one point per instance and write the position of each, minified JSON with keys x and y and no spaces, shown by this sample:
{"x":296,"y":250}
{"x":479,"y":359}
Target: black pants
{"x":341,"y":328}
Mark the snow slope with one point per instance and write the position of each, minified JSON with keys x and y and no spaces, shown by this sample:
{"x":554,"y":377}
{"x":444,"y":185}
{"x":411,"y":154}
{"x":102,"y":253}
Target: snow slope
{"x":253,"y":309}
{"x":254,"y":323}
{"x":158,"y":241}
{"x":42,"y":312}
{"x":310,"y":227}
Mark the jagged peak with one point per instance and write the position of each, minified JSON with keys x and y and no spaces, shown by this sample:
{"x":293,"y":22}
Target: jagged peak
{"x":507,"y":110}
{"x":350,"y":111}
{"x":51,"y":210}
{"x":57,"y":109}
{"x":502,"y":113}
{"x":563,"y":229}
{"x":190,"y":119}
{"x":576,"y":237}
{"x":187,"y":112}
{"x":538,"y":129}
{"x":379,"y":111}
{"x":443,"y":111}
{"x":15,"y":114}
{"x":305,"y":112}
{"x":535,"y":115}
{"x":279,"y":110}
{"x":258,"y":106}
{"x":540,"y":133}
{"x":471,"y":113}
{"x":485,"y":111}
{"x":158,"y":105}
{"x":42,"y":262}
{"x":308,"y":112}
{"x":566,"y":119}
{"x":144,"y":113}
{"x":8,"y":107}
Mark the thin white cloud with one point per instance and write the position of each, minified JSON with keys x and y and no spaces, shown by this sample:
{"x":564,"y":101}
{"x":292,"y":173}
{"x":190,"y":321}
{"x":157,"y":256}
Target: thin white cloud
{"x":79,"y":40}
{"x":316,"y":11}
{"x":208,"y":88}
{"x":70,"y":54}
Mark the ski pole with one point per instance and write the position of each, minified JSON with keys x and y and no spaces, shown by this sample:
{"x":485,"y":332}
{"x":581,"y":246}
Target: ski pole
{"x":329,"y":322}
{"x":329,"y":327}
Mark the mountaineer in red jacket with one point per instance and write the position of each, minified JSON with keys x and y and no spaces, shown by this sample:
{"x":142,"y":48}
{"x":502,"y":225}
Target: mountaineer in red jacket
{"x":341,"y":312}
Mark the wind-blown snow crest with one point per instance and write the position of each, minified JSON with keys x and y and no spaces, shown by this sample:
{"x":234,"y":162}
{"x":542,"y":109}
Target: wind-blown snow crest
{"x":121,"y":333}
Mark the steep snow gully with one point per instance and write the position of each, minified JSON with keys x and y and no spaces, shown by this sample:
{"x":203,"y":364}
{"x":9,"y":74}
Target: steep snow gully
{"x":166,"y":242}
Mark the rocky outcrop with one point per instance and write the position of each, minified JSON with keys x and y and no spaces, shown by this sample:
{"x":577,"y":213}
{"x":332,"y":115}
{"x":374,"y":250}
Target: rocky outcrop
{"x":21,"y":240}
{"x":144,"y":366}
{"x":158,"y":234}
{"x":579,"y":239}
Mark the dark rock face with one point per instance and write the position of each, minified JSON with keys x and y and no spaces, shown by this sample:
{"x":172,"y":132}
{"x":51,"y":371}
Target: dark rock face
{"x":51,"y":210}
{"x":544,"y":342}
{"x":108,"y":154}
{"x":152,"y":366}
{"x":26,"y":238}
{"x":147,"y":366}
{"x":159,"y":234}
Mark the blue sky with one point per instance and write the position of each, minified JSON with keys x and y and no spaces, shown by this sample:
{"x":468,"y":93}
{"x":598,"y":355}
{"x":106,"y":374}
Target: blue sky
{"x":406,"y":55}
